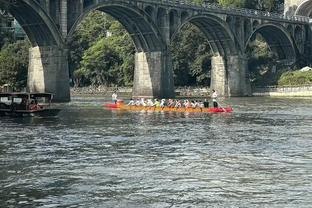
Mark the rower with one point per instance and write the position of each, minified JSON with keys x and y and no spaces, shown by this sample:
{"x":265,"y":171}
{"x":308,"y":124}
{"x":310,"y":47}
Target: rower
{"x":163,"y":103}
{"x":114,"y":97}
{"x":214,"y":97}
{"x":206,"y":103}
{"x":131,"y":102}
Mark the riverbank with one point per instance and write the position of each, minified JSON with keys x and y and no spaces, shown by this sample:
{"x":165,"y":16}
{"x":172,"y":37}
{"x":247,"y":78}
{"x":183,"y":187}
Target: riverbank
{"x":270,"y":91}
{"x":287,"y":91}
{"x":126,"y":92}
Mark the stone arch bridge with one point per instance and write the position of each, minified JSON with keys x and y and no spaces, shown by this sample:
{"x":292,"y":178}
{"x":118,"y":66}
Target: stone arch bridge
{"x":152,"y":24}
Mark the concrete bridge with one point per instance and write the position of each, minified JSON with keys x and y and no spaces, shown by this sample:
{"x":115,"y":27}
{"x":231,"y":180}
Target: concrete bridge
{"x":152,"y":24}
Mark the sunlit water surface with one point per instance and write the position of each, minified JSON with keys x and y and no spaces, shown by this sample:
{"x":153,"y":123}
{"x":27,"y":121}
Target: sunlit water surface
{"x":258,"y":156}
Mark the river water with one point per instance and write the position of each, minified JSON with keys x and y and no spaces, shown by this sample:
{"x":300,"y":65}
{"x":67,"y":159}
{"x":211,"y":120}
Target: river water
{"x":258,"y":156}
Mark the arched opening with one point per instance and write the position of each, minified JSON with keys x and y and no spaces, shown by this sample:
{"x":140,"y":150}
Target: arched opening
{"x":191,"y":56}
{"x":102,"y":53}
{"x":304,"y":9}
{"x":38,"y":26}
{"x":269,"y":50}
{"x":217,"y":55}
{"x":143,"y":62}
{"x":26,"y":26}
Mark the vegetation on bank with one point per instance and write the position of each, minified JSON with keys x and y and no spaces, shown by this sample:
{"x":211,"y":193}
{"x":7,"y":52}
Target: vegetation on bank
{"x":102,"y":53}
{"x":295,"y":78}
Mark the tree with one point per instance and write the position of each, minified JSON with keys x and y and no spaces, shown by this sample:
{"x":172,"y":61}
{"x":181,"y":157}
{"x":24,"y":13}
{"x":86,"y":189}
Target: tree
{"x":14,"y":64}
{"x":191,"y":57}
{"x":99,"y":28}
{"x":234,"y":3}
{"x":89,"y":31}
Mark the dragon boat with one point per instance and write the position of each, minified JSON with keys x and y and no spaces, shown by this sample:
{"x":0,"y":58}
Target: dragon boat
{"x":122,"y":106}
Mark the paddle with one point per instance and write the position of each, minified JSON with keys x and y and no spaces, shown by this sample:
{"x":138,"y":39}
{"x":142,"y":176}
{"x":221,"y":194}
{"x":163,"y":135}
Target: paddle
{"x":224,"y":110}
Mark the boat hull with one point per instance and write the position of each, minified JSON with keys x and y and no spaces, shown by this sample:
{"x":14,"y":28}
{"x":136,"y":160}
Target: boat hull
{"x":169,"y":109}
{"x":34,"y":113}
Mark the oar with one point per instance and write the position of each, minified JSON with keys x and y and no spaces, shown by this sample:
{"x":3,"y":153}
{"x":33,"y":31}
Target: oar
{"x":224,"y":110}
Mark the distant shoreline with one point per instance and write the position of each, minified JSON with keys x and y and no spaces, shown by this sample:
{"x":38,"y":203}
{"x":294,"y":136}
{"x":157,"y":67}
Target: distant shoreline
{"x":192,"y":92}
{"x":127,"y":92}
{"x":287,"y":91}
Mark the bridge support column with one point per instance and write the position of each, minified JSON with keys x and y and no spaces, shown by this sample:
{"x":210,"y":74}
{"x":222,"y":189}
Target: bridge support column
{"x":238,"y":78}
{"x":153,"y":76}
{"x":218,"y":75}
{"x":48,"y":72}
{"x":229,"y":76}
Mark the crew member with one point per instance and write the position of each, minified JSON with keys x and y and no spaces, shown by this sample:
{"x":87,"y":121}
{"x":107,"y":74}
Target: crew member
{"x":214,"y":97}
{"x":114,"y":97}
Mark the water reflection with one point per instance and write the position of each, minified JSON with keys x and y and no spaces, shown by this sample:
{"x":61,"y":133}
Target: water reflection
{"x":258,"y":156}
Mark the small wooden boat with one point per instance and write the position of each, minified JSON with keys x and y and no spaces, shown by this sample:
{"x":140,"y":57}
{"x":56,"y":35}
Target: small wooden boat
{"x":120,"y":105}
{"x":27,"y":104}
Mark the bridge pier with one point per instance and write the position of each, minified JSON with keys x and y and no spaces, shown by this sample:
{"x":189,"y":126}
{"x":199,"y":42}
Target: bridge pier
{"x":238,"y":76}
{"x":229,"y":76}
{"x":48,"y":72}
{"x":153,"y":77}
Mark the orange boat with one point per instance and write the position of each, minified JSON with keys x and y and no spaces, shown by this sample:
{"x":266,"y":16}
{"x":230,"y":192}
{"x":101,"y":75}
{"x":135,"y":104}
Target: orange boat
{"x":120,"y":105}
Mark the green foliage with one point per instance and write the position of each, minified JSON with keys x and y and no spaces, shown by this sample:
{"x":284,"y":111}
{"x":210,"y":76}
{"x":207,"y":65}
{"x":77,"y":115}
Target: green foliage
{"x":264,"y":5}
{"x":14,"y":63}
{"x":233,"y":3}
{"x":100,"y":63}
{"x":89,"y":60}
{"x":293,"y":78}
{"x":198,"y":1}
{"x":191,"y":57}
{"x":89,"y":31}
{"x":261,"y":61}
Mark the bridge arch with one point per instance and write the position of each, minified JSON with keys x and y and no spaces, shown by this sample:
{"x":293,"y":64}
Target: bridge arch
{"x":217,"y":32}
{"x":144,"y":33}
{"x":228,"y":64}
{"x":37,"y":24}
{"x":278,"y":39}
{"x":152,"y":74}
{"x":304,"y":8}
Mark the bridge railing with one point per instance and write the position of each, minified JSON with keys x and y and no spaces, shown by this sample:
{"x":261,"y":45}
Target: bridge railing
{"x":233,"y":10}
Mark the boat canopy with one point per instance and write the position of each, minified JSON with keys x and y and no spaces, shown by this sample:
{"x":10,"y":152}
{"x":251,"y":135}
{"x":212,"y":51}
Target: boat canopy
{"x":47,"y":96}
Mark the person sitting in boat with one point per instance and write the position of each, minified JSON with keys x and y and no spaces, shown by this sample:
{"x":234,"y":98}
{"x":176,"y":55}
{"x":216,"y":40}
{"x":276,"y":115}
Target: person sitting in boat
{"x":143,"y":102}
{"x":131,"y":102}
{"x":163,"y":103}
{"x":201,"y":104}
{"x":206,"y":103}
{"x":138,"y":102}
{"x":214,"y":97}
{"x":150,"y":103}
{"x":187,"y":104}
{"x":171,"y":103}
{"x":178,"y":104}
{"x":193,"y":104}
{"x":114,"y":97}
{"x":157,"y":103}
{"x":33,"y":105}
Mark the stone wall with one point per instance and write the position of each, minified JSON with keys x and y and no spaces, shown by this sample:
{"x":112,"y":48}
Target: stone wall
{"x":107,"y":91}
{"x":302,"y":91}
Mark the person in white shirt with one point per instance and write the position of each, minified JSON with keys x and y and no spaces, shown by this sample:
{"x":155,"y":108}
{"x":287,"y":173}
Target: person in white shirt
{"x":114,"y":97}
{"x":131,"y":102}
{"x":214,"y":97}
